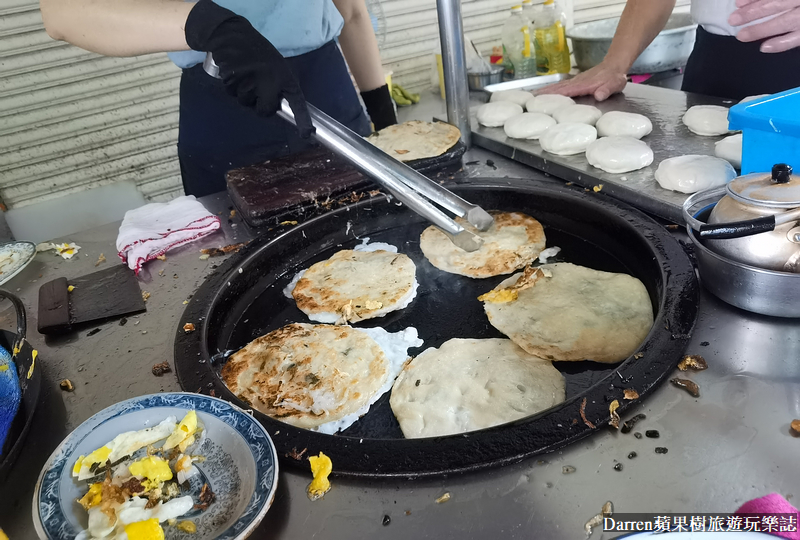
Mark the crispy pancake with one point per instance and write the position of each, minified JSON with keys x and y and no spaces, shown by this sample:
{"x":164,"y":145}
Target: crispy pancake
{"x":307,"y":375}
{"x":470,"y":384}
{"x":415,"y":139}
{"x":355,"y":285}
{"x":512,"y":242}
{"x":569,"y":312}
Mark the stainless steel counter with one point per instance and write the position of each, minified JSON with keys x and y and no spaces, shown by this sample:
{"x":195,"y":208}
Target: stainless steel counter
{"x":729,"y":445}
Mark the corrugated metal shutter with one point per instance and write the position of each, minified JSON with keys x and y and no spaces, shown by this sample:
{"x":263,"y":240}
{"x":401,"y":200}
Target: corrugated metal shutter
{"x":412,"y":30}
{"x":70,"y":120}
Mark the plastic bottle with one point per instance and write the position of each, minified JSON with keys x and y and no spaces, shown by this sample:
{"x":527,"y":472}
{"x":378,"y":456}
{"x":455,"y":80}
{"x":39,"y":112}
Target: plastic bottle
{"x":550,"y":40}
{"x":529,"y":12}
{"x":518,"y":54}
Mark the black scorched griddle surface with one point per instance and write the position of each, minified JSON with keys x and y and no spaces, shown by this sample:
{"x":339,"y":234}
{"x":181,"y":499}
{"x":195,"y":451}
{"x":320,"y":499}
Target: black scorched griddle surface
{"x":233,"y":308}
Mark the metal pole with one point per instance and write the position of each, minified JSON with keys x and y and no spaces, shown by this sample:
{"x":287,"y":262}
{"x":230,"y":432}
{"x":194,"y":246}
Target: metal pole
{"x":451,"y":35}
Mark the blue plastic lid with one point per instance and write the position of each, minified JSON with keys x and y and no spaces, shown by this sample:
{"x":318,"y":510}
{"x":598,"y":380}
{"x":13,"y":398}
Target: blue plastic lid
{"x":778,"y":113}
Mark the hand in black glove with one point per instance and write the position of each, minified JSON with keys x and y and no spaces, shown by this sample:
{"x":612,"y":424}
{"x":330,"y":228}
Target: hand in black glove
{"x":380,"y":107}
{"x":250,"y":66}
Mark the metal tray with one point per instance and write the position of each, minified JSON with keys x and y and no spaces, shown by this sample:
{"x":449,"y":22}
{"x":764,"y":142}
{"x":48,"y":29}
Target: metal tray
{"x":663,"y":106}
{"x":531,"y":83}
{"x":243,"y":299}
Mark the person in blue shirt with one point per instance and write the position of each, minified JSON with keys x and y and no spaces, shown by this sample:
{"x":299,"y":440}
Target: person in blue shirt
{"x":266,"y":50}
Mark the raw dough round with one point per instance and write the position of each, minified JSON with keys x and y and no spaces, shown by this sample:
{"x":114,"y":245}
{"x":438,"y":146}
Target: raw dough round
{"x":753,"y":98}
{"x":496,"y":113}
{"x":623,"y":124}
{"x":618,"y":155}
{"x":563,"y":311}
{"x":528,"y":125}
{"x":707,"y":120}
{"x":730,"y":149}
{"x":568,"y":138}
{"x":548,"y":103}
{"x":581,"y":114}
{"x":688,"y":174}
{"x":471,"y":384}
{"x":520,"y":97}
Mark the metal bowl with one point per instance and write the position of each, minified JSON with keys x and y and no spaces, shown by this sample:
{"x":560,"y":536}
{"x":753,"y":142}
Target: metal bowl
{"x":768,"y":292}
{"x":479,"y":81}
{"x":669,"y":50}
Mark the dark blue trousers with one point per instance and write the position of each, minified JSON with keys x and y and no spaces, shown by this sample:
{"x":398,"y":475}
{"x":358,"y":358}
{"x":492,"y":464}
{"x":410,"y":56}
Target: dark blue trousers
{"x":218,"y":134}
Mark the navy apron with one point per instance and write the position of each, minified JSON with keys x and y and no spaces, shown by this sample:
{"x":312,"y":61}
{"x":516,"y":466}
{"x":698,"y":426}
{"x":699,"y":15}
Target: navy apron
{"x":725,"y":67}
{"x":218,"y":134}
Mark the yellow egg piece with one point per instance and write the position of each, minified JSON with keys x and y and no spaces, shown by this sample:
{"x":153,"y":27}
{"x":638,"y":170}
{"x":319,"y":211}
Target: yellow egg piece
{"x":153,"y":468}
{"x":321,"y":468}
{"x":93,"y":497}
{"x":98,"y":456}
{"x":145,"y":530}
{"x":187,"y":527}
{"x":499,"y":297}
{"x":185,"y":429}
{"x":77,"y":468}
{"x":3,"y":535}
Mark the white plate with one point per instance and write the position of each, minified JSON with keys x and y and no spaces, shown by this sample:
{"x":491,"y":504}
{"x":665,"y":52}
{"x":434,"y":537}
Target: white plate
{"x":241,"y":467}
{"x":14,"y":256}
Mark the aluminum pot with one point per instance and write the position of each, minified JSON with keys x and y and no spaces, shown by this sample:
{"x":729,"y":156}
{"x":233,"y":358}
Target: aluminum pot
{"x":479,"y":81}
{"x":669,"y":50}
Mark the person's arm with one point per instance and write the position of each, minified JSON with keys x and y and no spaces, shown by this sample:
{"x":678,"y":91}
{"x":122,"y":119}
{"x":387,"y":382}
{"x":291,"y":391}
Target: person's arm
{"x":360,"y":49}
{"x":118,"y":27}
{"x":640,"y":23}
{"x":782,"y":32}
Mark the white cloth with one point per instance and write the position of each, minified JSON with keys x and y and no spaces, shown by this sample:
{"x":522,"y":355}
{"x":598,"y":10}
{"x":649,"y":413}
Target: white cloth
{"x":713,"y":15}
{"x":155,"y":228}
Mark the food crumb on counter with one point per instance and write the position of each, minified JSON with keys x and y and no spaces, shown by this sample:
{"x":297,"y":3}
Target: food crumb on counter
{"x":161,"y":257}
{"x":596,"y":521}
{"x":632,"y":455}
{"x":444,"y":498}
{"x":67,"y":385}
{"x":686,"y":384}
{"x":71,"y":288}
{"x":204,"y":256}
{"x":145,"y":295}
{"x":93,"y":332}
{"x":637,"y":435}
{"x":159,"y":369}
{"x":695,"y":362}
{"x":704,"y":343}
{"x":321,"y":468}
{"x":652,"y":434}
{"x":294,"y":454}
{"x":386,"y":520}
{"x":568,"y":469}
{"x":628,"y":426}
{"x":597,"y":188}
{"x":188,"y":328}
{"x":288,"y":222}
{"x":794,"y":428}
{"x":612,"y":409}
{"x":661,"y":450}
{"x":630,"y":393}
{"x":583,"y":414}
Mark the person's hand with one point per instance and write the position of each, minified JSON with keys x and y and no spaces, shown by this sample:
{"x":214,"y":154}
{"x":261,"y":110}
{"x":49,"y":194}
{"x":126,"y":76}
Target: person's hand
{"x":380,"y":107}
{"x":251,"y":68}
{"x":781,"y":32}
{"x":600,"y":81}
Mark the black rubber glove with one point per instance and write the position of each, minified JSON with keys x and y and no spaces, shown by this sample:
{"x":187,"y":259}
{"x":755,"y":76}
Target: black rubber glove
{"x":250,"y":66}
{"x":380,"y":107}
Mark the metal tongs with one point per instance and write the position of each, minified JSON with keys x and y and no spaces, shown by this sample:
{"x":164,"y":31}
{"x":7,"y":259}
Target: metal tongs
{"x":407,"y":185}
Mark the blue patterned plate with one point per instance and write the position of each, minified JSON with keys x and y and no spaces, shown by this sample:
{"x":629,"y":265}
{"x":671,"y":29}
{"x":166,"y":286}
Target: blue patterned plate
{"x":14,"y":256}
{"x":241,"y":467}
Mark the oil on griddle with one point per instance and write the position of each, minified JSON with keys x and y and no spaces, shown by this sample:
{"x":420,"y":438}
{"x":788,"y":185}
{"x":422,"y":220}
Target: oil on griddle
{"x":446,"y":307}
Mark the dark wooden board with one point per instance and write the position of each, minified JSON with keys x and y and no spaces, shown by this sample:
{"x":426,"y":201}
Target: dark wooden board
{"x":96,"y":297}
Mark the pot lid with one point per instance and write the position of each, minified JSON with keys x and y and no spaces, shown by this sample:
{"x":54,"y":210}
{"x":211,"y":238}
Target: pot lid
{"x":778,"y":188}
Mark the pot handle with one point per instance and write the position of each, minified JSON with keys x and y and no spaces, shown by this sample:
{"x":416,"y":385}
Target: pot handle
{"x":22,"y":322}
{"x":737,"y":229}
{"x":707,"y":199}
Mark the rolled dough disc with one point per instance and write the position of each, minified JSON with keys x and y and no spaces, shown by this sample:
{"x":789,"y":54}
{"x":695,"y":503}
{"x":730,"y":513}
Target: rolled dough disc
{"x":623,"y":124}
{"x":692,"y":173}
{"x":548,"y":103}
{"x":520,"y":97}
{"x":707,"y":120}
{"x":618,"y":155}
{"x":581,"y":114}
{"x":568,"y":138}
{"x":528,"y":125}
{"x":730,"y":149}
{"x":496,"y":113}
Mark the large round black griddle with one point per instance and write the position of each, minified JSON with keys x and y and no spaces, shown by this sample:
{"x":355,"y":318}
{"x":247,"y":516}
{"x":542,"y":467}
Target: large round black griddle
{"x":243,"y":299}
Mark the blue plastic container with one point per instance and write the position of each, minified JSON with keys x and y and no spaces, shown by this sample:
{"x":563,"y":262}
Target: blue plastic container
{"x":771,"y":131}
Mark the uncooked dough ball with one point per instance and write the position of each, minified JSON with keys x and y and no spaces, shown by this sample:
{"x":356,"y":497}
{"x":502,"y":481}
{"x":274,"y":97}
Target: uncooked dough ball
{"x":688,"y":174}
{"x":582,"y":114}
{"x":496,"y":113}
{"x":528,"y":125}
{"x":618,"y":155}
{"x":730,"y":149}
{"x":548,"y":103}
{"x":623,"y":124}
{"x":707,"y":120}
{"x":568,"y":138}
{"x":520,"y":97}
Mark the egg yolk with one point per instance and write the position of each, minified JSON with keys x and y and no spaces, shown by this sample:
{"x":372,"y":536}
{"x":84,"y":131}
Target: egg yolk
{"x":145,"y":530}
{"x":499,"y":297}
{"x":153,"y":468}
{"x":93,"y":497}
{"x":98,"y":456}
{"x":321,"y":467}
{"x":183,"y":433}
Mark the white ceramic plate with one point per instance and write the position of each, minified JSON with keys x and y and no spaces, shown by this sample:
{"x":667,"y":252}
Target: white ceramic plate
{"x":241,"y":467}
{"x":14,"y":256}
